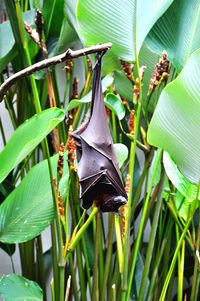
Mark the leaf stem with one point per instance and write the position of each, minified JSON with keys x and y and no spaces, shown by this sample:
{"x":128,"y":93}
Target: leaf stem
{"x":2,"y":133}
{"x":80,"y":232}
{"x":95,"y":288}
{"x":55,"y":283}
{"x":168,"y":277}
{"x":108,"y":256}
{"x":142,"y":222}
{"x":181,"y":273}
{"x":81,"y":273}
{"x":114,"y":292}
{"x":40,"y":262}
{"x":119,"y":244}
{"x":196,"y":274}
{"x":151,"y":239}
{"x":73,"y":274}
{"x":132,"y":164}
{"x":141,"y":181}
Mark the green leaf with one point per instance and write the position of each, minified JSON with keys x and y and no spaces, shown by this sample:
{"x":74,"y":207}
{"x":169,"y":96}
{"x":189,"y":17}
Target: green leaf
{"x":29,"y":209}
{"x":124,"y":87}
{"x":114,"y":21}
{"x":17,"y":288}
{"x":186,"y":188}
{"x":115,"y":104}
{"x":110,"y":63}
{"x":175,"y":125}
{"x":182,"y":205}
{"x":70,"y":13}
{"x":26,"y":137}
{"x":121,"y":152}
{"x":7,"y":41}
{"x":177,"y":31}
{"x":157,"y":175}
{"x":106,"y":82}
{"x":53,"y":12}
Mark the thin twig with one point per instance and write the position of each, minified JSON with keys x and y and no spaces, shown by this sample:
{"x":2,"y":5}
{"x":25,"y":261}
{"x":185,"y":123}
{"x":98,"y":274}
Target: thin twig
{"x":69,"y":54}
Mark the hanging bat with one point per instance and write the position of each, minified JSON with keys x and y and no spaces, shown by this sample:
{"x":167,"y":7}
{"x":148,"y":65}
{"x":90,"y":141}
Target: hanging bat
{"x":98,"y":170}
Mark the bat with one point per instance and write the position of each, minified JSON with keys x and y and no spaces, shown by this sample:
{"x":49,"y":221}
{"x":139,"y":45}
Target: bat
{"x":98,"y":171}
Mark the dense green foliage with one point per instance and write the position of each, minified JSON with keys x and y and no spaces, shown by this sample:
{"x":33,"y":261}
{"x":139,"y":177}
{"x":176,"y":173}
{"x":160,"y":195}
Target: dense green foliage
{"x":150,"y":81}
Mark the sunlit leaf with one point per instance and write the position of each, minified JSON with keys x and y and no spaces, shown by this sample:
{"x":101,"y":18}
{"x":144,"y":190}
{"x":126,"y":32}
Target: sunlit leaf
{"x":29,"y":209}
{"x":175,"y":125}
{"x":115,"y":21}
{"x":157,"y":175}
{"x":115,"y":104}
{"x":70,"y":13}
{"x":121,"y":152}
{"x":186,"y":188}
{"x":14,"y":287}
{"x":26,"y":137}
{"x":177,"y":31}
{"x":182,"y":205}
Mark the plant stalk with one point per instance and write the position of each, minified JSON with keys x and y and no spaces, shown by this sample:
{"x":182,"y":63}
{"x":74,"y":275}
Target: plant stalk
{"x":151,"y":239}
{"x":168,"y":277}
{"x":108,"y":256}
{"x":95,"y":287}
{"x":141,"y":227}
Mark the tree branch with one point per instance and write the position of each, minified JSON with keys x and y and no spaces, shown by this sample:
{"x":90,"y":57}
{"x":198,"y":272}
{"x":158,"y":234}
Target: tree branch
{"x":69,"y":54}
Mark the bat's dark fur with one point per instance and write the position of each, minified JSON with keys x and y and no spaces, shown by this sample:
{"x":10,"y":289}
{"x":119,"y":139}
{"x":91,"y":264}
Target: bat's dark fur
{"x":98,"y":171}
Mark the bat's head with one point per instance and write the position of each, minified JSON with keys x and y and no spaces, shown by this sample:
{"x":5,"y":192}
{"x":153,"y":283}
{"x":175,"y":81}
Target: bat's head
{"x":111,"y":203}
{"x":106,"y":202}
{"x":107,"y":195}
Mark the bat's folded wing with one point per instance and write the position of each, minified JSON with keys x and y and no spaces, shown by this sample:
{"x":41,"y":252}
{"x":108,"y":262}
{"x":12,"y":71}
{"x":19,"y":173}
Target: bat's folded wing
{"x":99,"y":180}
{"x":98,"y":171}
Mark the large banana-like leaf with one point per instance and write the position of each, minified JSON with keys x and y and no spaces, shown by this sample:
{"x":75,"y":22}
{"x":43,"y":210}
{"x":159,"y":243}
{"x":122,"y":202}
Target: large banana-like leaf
{"x":177,"y":31}
{"x":15,"y":287}
{"x":175,"y":125}
{"x":29,"y":209}
{"x":26,"y":137}
{"x":117,"y":21}
{"x":186,"y":188}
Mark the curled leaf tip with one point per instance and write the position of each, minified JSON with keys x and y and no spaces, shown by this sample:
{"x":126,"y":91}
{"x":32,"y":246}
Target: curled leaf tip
{"x":98,"y":170}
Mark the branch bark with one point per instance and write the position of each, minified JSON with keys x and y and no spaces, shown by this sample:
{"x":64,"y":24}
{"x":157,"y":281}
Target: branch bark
{"x":69,"y":54}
